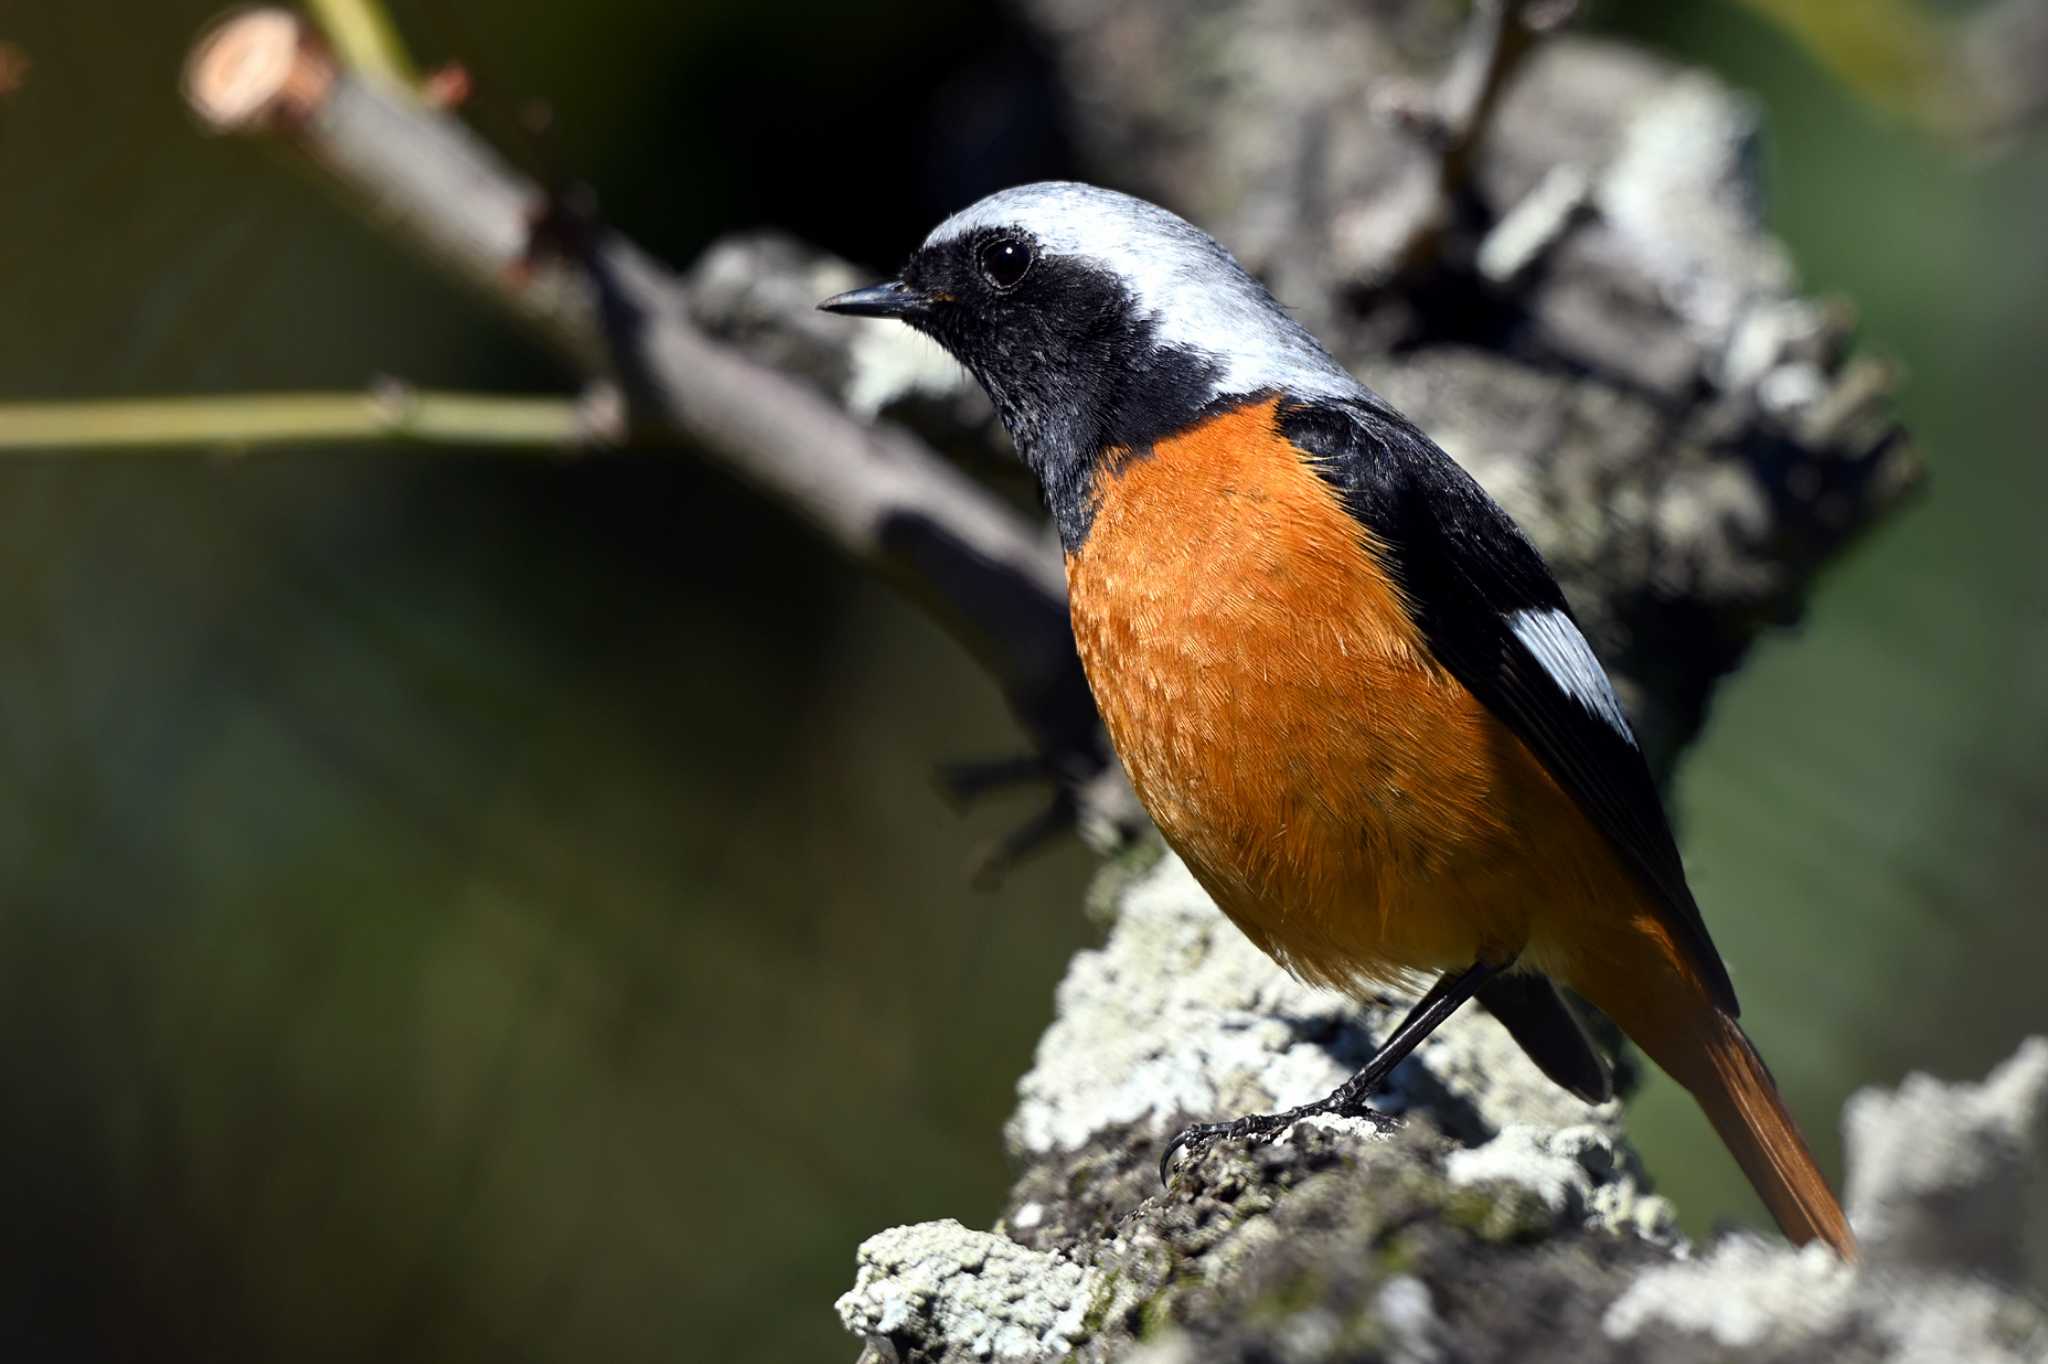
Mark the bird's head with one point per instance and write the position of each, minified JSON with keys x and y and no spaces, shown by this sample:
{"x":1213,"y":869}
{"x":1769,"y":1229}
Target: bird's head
{"x":1097,"y":322}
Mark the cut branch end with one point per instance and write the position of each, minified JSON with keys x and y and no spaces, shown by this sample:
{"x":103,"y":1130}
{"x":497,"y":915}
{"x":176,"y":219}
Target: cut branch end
{"x":255,"y":68}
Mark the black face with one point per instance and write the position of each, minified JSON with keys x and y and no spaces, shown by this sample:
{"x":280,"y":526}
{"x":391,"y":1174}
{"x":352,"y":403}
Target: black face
{"x":1077,"y":375}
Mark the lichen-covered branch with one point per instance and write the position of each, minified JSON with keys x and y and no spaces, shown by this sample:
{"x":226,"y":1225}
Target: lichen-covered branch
{"x":1502,"y":1221}
{"x":1599,"y":326}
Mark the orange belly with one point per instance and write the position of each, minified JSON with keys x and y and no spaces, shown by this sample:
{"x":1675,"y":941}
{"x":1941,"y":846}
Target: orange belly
{"x":1345,"y":800}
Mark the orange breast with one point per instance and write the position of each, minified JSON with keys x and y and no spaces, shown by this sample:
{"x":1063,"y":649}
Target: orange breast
{"x":1347,"y":802}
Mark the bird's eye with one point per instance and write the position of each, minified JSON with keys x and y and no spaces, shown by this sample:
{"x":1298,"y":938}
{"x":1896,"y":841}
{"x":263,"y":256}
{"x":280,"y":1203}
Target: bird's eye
{"x":1004,"y":263}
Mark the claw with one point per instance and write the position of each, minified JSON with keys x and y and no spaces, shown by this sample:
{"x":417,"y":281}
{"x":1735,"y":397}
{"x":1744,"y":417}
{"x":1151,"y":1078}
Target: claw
{"x":1197,"y":1136}
{"x":1256,"y":1129}
{"x":1022,"y":841}
{"x":963,"y":783}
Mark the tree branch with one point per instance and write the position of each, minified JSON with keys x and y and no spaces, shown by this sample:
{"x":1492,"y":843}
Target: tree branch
{"x":878,"y":493}
{"x":1606,"y":336}
{"x":1497,"y":38}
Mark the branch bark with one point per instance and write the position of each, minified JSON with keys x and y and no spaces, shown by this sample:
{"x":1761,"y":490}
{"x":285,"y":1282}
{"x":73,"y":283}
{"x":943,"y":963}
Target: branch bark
{"x":876,"y":492}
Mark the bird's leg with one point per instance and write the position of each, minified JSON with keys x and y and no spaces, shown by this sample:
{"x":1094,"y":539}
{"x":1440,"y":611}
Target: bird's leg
{"x":1348,"y":1099}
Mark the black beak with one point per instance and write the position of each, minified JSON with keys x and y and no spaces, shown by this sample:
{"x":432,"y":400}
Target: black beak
{"x":894,"y":299}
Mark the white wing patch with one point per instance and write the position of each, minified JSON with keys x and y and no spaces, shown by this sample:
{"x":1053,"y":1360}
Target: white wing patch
{"x":1565,"y":655}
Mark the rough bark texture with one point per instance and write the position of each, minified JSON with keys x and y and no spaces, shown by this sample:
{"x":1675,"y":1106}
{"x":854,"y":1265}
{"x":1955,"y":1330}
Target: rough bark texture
{"x":1592,"y":318}
{"x":1501,"y":1220}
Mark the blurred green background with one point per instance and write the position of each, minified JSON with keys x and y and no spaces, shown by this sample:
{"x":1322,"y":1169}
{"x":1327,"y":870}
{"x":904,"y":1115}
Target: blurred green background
{"x":496,"y":908}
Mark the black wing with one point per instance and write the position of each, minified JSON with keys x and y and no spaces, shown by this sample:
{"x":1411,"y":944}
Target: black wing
{"x":1496,"y":618}
{"x":1539,"y":1017}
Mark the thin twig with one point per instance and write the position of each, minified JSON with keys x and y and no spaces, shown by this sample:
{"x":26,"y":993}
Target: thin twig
{"x":1417,"y":216}
{"x":366,"y":39}
{"x":245,"y":422}
{"x":1500,"y":34}
{"x":882,"y":496}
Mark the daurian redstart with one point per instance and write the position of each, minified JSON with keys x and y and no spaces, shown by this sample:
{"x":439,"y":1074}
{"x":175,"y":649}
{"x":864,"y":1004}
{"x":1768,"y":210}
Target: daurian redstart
{"x":1344,"y":683}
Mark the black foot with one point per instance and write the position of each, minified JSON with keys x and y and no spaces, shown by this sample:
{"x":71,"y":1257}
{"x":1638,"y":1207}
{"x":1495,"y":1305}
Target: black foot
{"x":994,"y":862}
{"x":964,"y":783}
{"x":1259,"y":1128}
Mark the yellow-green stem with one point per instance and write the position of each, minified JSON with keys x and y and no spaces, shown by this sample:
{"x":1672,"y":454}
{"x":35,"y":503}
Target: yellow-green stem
{"x":365,"y":39}
{"x":237,"y":423}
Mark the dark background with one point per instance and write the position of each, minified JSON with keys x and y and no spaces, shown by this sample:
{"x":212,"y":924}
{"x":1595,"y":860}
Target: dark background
{"x":478,"y":907}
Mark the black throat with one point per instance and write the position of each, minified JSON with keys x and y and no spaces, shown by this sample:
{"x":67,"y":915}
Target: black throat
{"x":1117,"y":409}
{"x":1080,"y":380}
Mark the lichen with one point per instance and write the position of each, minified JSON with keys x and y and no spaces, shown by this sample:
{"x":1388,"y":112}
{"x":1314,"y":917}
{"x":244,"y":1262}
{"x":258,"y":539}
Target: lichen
{"x":1493,"y":1216}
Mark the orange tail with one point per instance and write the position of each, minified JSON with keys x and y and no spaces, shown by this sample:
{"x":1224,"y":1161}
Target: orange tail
{"x":1740,"y":1097}
{"x":1706,"y":1051}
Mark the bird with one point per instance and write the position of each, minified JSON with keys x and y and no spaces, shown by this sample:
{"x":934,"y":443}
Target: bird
{"x":1344,"y":683}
